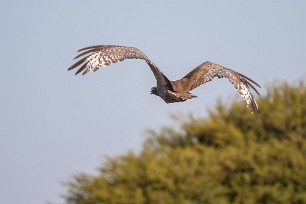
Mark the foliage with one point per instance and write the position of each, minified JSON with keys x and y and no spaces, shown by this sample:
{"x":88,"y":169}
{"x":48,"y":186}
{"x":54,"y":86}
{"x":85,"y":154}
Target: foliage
{"x":231,"y":156}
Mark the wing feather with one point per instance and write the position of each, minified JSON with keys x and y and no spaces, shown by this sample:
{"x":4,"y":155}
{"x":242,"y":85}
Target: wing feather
{"x":78,"y":63}
{"x":99,"y":56}
{"x":208,"y":71}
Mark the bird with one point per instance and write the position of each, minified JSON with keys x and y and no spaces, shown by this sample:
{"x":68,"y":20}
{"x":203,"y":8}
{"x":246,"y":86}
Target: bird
{"x":93,"y":58}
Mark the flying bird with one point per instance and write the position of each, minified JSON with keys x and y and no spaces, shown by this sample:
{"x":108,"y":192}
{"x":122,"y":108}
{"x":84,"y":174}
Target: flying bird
{"x":98,"y":56}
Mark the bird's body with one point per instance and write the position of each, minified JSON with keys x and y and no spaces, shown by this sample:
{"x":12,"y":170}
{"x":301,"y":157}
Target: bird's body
{"x":170,"y":96}
{"x":170,"y":91}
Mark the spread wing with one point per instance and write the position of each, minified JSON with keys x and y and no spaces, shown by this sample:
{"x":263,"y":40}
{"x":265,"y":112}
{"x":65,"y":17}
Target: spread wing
{"x":98,"y":56}
{"x":208,"y":70}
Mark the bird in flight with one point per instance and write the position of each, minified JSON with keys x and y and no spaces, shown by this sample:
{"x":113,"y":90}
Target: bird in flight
{"x":98,"y":56}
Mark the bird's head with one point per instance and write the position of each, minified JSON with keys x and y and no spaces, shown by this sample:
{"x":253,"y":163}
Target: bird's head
{"x":154,"y":91}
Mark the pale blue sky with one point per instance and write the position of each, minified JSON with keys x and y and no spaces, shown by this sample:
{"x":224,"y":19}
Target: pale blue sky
{"x":55,"y":124}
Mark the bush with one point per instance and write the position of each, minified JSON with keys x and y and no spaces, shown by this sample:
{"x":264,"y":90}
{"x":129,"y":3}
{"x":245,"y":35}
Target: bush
{"x":231,"y":156}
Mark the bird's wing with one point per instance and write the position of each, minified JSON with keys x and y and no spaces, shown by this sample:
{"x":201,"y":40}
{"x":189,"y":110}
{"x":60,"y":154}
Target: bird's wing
{"x":98,"y":56}
{"x":208,"y":70}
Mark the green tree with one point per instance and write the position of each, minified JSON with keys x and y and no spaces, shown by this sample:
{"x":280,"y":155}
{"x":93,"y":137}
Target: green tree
{"x":231,"y":156}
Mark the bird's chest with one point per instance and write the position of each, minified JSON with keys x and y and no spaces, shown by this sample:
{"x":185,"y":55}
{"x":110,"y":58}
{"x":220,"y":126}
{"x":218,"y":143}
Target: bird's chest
{"x":168,"y":96}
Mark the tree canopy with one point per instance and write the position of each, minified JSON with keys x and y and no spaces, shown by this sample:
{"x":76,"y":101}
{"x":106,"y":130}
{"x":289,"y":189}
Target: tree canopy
{"x":231,"y":156}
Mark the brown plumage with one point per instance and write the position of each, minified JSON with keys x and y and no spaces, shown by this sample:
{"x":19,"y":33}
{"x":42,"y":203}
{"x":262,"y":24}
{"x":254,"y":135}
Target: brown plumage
{"x":95,"y":57}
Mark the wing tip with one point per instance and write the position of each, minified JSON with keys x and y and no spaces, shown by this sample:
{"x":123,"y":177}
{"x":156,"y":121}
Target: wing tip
{"x":90,"y":47}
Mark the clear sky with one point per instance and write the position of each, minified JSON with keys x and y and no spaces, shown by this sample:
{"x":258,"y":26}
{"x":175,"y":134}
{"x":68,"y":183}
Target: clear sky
{"x":54,"y":124}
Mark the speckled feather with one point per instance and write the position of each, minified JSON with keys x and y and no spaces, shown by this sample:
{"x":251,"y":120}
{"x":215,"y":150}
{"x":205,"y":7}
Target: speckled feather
{"x":207,"y":71}
{"x":98,"y":56}
{"x":103,"y":55}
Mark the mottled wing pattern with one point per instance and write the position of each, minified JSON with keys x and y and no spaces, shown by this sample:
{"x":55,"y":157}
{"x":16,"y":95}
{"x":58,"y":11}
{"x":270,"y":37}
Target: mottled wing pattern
{"x":98,"y":56}
{"x":208,"y":70}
